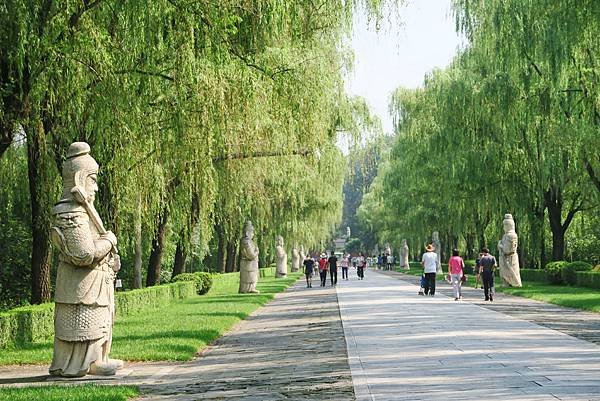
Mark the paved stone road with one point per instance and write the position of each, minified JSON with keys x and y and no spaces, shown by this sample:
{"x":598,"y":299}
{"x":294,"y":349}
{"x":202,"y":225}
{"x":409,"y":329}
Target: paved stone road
{"x":574,"y":322}
{"x":405,"y":347}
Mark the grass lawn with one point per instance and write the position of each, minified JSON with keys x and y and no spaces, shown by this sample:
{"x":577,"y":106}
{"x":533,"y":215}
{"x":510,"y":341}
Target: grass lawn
{"x":88,"y":392}
{"x":574,"y":297}
{"x":175,"y":332}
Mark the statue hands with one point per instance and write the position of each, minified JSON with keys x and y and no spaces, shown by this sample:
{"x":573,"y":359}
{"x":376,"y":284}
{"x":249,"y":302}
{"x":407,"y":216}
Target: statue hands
{"x":110,"y":237}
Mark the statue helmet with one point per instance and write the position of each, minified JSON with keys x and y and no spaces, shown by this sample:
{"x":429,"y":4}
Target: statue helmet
{"x":77,"y":167}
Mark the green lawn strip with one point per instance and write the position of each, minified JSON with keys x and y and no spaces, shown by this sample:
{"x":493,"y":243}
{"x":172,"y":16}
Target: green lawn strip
{"x":87,"y":392}
{"x":573,"y":297}
{"x":176,"y":331}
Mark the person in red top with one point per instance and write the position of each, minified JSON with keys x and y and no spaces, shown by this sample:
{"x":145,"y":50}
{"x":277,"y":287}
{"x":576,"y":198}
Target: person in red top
{"x":455,"y":268}
{"x":323,"y":269}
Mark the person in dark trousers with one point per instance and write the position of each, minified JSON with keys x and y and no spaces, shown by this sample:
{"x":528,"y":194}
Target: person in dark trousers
{"x":429,"y":261}
{"x":309,"y":266}
{"x":487,"y":265}
{"x":345,"y":263}
{"x":360,"y":266}
{"x":323,"y":269}
{"x":332,"y":262}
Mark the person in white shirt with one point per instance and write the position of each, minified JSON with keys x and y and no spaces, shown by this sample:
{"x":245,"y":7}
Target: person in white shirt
{"x":429,"y":260}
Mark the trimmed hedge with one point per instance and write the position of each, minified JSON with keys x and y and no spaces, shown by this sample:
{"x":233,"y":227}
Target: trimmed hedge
{"x":590,"y":279}
{"x":535,"y":275}
{"x":202,"y":280}
{"x":35,"y":323}
{"x":554,"y":270}
{"x":568,"y":271}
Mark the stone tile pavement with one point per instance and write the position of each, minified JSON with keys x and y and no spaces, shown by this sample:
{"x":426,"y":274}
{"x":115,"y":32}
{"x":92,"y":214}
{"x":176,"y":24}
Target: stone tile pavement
{"x":402,"y":346}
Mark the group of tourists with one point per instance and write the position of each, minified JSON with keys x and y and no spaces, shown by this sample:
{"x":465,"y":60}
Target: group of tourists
{"x":329,"y":264}
{"x":485,"y":265}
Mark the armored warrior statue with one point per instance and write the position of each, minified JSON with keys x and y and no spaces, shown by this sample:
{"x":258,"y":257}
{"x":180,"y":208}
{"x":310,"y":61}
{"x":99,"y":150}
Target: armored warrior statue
{"x":295,"y":259}
{"x":507,"y":250}
{"x":248,"y":261}
{"x":281,"y":258}
{"x":84,"y":297}
{"x":435,"y":240}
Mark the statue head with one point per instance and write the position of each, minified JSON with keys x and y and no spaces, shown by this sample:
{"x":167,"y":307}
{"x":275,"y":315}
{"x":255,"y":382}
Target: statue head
{"x":435,"y":236}
{"x":508,"y":224}
{"x":279,"y":240}
{"x":404,"y":242}
{"x":248,"y":230}
{"x":79,"y":173}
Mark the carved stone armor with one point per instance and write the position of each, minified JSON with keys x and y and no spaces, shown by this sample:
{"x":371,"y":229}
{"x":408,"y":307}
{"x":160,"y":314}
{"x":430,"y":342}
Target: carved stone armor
{"x":248,"y":261}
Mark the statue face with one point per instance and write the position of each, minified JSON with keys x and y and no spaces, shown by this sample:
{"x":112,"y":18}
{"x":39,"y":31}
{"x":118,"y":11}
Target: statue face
{"x":250,"y":232}
{"x":91,"y":187}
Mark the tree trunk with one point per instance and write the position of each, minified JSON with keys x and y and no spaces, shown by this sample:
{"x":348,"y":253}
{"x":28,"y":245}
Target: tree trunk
{"x":230,"y":263}
{"x":221,"y":250}
{"x":137,"y":263}
{"x":554,"y":203}
{"x":180,"y":256}
{"x":158,"y":244}
{"x":39,"y":172}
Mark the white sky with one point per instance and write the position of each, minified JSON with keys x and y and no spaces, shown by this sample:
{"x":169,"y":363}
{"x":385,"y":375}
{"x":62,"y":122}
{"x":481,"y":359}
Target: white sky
{"x":401,"y":53}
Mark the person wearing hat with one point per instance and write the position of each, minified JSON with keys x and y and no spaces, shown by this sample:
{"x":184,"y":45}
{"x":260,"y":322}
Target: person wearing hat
{"x":323,"y":269}
{"x":429,"y":260}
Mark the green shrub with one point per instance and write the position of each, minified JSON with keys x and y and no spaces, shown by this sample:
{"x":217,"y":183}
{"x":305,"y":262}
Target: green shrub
{"x":414,"y":265}
{"x":568,"y":271}
{"x":589,"y":279}
{"x":469,"y":266}
{"x":207,"y":282}
{"x":538,"y":275}
{"x":35,"y":323}
{"x":596,"y":268}
{"x":554,"y":271}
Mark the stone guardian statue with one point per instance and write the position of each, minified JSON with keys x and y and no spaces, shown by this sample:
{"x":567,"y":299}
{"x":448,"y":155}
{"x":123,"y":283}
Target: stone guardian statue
{"x":507,"y":254}
{"x":404,"y":256}
{"x":88,"y":263}
{"x":295,"y":259}
{"x":435,"y":240}
{"x":281,"y":258}
{"x":248,"y":261}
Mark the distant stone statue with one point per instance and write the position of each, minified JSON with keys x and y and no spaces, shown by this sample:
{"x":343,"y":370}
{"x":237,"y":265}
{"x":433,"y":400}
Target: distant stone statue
{"x":302,"y":254}
{"x":507,"y":254}
{"x":84,"y":297}
{"x":295,"y":259}
{"x":248,"y":261}
{"x":281,"y":258}
{"x":435,"y":240}
{"x":388,"y":249}
{"x":404,"y":256}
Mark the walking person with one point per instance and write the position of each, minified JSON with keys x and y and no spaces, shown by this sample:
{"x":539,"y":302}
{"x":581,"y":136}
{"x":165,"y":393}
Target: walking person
{"x":429,"y":261}
{"x":323,"y":269}
{"x":332,"y":262}
{"x":487,"y":266}
{"x":309,"y":266}
{"x":455,"y":268}
{"x":390,"y":262}
{"x":360,"y":266}
{"x":477,"y":274}
{"x":345,"y":262}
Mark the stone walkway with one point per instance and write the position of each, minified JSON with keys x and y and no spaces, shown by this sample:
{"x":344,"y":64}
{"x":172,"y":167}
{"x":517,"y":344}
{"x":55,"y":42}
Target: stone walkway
{"x":574,"y":322}
{"x":293,"y":348}
{"x":402,"y":346}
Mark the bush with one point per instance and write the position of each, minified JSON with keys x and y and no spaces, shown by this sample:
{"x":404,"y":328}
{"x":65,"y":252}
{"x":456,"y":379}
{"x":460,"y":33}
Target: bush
{"x":202,"y":281}
{"x":534,"y":275}
{"x":568,"y":271}
{"x":554,"y":271}
{"x":589,"y":279}
{"x":596,"y":268}
{"x":35,"y":323}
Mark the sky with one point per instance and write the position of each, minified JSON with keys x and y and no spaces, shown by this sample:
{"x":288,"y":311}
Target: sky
{"x":401,"y":53}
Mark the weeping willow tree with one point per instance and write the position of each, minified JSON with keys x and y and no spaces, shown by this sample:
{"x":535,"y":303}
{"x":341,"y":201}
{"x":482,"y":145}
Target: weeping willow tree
{"x":510,"y":126}
{"x":179,"y":101}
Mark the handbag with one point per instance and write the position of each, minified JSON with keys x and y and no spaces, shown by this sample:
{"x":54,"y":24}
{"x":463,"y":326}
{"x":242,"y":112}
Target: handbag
{"x":464,"y":278}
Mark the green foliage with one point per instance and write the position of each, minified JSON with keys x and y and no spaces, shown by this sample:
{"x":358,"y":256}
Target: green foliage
{"x":572,"y":297}
{"x":203,"y":281}
{"x":568,"y":271}
{"x":86,"y":392}
{"x":554,"y":270}
{"x":590,"y":279}
{"x":353,"y":245}
{"x":538,"y":275}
